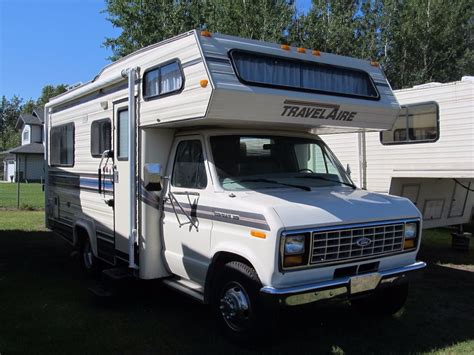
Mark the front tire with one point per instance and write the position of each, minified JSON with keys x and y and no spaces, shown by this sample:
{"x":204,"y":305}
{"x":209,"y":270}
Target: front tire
{"x":383,"y":302}
{"x":237,"y":306}
{"x":90,"y":264}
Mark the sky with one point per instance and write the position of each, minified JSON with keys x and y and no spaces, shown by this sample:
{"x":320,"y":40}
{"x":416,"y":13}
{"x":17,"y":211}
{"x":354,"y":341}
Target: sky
{"x":53,"y":42}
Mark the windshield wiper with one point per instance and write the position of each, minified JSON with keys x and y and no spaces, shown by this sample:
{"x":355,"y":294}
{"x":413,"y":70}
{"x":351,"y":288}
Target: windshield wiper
{"x":326,"y":179}
{"x":305,"y":188}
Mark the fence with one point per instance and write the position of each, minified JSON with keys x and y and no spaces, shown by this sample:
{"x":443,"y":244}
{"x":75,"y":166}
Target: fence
{"x":23,"y":195}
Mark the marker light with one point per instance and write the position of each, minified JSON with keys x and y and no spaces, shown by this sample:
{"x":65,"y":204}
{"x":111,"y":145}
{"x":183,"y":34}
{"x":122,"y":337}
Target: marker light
{"x":316,"y":52}
{"x":203,"y":83}
{"x":285,"y":47}
{"x":206,"y":34}
{"x":258,"y":234}
{"x":374,"y":63}
{"x":301,"y":50}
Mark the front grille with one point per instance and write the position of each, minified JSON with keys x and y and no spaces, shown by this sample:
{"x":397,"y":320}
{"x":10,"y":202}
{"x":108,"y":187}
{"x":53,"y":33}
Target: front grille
{"x":353,"y":243}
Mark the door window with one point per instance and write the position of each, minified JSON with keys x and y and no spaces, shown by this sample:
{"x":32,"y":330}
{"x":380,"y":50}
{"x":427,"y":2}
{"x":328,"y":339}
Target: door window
{"x":122,"y":145}
{"x":189,"y":170}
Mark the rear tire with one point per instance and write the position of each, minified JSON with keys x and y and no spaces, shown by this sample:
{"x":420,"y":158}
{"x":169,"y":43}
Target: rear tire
{"x":90,"y":264}
{"x":383,"y":302}
{"x":238,"y":309}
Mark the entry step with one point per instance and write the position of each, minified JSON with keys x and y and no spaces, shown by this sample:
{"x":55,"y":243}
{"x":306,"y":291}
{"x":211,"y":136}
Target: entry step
{"x":100,"y":290}
{"x":118,"y":273}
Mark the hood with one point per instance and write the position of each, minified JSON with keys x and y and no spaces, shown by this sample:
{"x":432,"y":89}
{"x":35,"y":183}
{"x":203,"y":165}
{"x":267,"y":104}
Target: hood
{"x":332,"y":206}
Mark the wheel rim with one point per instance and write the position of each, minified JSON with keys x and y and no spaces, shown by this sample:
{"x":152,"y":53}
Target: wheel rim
{"x":87,"y":255}
{"x":235,"y":307}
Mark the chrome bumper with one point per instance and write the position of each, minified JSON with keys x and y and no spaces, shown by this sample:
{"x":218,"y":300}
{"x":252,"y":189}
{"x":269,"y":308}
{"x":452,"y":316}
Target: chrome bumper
{"x":345,"y":286}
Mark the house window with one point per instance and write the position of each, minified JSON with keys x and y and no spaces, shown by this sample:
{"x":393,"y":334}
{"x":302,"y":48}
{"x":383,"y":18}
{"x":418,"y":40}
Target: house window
{"x":162,"y":80}
{"x":189,"y":170}
{"x":62,"y":145}
{"x":100,"y":137}
{"x":290,"y":74}
{"x":26,"y":135}
{"x":417,"y":123}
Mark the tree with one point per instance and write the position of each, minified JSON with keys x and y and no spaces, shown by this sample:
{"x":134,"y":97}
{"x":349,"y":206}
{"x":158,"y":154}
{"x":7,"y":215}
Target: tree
{"x":48,"y":92}
{"x":9,"y":112}
{"x":144,"y":22}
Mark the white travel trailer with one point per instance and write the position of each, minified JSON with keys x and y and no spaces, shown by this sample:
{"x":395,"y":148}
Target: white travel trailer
{"x":200,"y":169}
{"x":428,"y":155}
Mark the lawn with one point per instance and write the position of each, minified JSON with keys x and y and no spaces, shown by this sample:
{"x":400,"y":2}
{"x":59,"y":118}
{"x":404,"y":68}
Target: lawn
{"x":45,"y":307}
{"x":31,"y":196}
{"x":21,"y":220}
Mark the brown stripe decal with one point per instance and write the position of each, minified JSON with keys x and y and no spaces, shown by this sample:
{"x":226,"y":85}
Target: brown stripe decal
{"x":306,"y":103}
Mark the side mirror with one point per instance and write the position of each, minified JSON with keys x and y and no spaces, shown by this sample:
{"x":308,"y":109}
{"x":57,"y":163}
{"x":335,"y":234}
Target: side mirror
{"x":152,"y":177}
{"x":348,"y":170}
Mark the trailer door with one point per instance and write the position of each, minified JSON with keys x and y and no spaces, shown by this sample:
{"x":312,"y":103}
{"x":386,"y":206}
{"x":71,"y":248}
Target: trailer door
{"x":121,"y":180}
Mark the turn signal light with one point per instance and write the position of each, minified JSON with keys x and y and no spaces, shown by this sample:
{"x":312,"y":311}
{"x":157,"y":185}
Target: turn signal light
{"x":409,"y":244}
{"x":206,"y":34}
{"x":285,"y":47}
{"x":292,"y":260}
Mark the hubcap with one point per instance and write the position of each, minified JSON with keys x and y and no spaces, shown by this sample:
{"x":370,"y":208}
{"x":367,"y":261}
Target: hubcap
{"x":235,"y":306}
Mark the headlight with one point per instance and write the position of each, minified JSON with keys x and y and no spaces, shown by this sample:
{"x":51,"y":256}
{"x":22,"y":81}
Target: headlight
{"x":294,"y":244}
{"x":410,"y":230}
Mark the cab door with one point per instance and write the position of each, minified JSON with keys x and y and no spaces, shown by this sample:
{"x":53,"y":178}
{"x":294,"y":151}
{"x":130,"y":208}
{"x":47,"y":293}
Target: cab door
{"x":121,"y":180}
{"x":187,"y":215}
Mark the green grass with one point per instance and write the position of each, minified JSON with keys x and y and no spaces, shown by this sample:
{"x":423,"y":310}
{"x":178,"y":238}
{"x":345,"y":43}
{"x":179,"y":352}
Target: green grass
{"x":45,"y":308}
{"x":31,"y":196}
{"x":21,"y":220}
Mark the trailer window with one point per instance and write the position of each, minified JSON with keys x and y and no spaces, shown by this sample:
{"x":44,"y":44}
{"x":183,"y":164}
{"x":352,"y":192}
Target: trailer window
{"x":100,"y":137}
{"x":162,"y":80}
{"x":418,"y":123}
{"x":189,"y":170}
{"x":286,"y":73}
{"x":62,"y":145}
{"x":122,"y":144}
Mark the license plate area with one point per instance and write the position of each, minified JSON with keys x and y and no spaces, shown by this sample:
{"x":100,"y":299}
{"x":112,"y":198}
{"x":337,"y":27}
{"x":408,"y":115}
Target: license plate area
{"x":364,"y":283}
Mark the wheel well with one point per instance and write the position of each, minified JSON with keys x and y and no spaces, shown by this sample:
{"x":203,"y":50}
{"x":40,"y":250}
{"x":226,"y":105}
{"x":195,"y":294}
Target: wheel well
{"x":81,"y":236}
{"x":218,"y":261}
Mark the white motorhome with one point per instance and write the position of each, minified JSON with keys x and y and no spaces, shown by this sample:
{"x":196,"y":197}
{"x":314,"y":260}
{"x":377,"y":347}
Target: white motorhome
{"x":193,"y":161}
{"x":428,"y":155}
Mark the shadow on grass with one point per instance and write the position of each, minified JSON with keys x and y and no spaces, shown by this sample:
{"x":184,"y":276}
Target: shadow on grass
{"x":46,"y":307}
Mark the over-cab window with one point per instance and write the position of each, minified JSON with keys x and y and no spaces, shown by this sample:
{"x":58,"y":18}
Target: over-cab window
{"x":417,"y":123}
{"x":162,"y":80}
{"x":292,"y":74}
{"x":100,"y":137}
{"x":62,"y":145}
{"x":189,"y":170}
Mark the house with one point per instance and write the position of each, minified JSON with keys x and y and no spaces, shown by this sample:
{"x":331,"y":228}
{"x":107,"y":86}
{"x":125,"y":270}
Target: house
{"x":25,"y":162}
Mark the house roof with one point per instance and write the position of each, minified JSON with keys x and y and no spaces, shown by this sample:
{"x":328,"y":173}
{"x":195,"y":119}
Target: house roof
{"x":32,"y":148}
{"x":34,"y":118}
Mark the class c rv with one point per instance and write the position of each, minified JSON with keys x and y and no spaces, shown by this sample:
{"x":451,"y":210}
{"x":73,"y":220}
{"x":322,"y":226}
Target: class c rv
{"x":197,"y":161}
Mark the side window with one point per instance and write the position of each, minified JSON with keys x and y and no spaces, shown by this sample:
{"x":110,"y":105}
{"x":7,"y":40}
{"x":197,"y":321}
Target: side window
{"x":416,"y":123}
{"x":62,"y":145}
{"x":189,"y":170}
{"x":162,"y":80}
{"x":122,"y":145}
{"x":100,"y":137}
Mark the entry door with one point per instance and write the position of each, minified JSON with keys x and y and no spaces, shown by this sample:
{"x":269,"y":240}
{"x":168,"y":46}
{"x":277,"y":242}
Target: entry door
{"x":121,"y":180}
{"x":189,"y":195}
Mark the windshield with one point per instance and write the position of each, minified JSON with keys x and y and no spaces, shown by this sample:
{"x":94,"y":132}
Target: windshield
{"x":253,"y":162}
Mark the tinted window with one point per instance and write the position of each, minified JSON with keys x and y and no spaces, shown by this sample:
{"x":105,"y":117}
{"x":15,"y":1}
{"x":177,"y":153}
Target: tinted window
{"x":122,"y":146}
{"x":62,"y":145}
{"x":293,"y":74}
{"x":189,"y":169}
{"x":100,"y":137}
{"x":416,"y":123}
{"x":162,"y":80}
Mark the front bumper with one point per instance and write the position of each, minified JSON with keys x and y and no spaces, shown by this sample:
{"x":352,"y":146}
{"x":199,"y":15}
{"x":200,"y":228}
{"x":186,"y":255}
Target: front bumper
{"x":350,"y":286}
